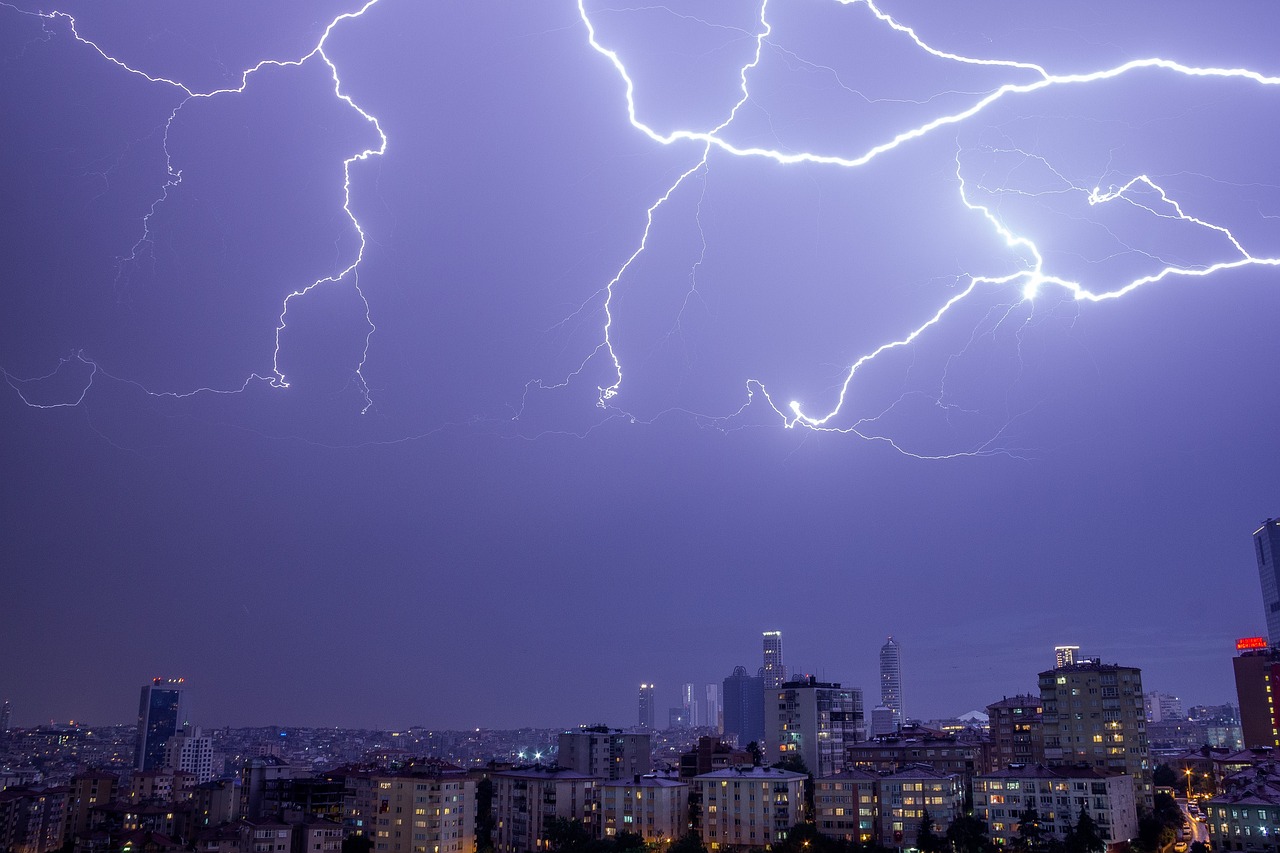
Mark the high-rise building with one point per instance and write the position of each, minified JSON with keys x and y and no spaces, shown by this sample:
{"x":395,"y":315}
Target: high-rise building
{"x":654,"y":807}
{"x":689,"y":701}
{"x":891,"y":680}
{"x":5,"y":711}
{"x":607,"y":753}
{"x":748,"y":807}
{"x":1257,"y":670}
{"x":527,"y":799}
{"x":744,"y":706}
{"x":814,"y":721}
{"x":646,"y":706}
{"x":162,"y":712}
{"x":1064,"y":655}
{"x":191,"y":751}
{"x":1093,"y":714}
{"x":425,"y":811}
{"x":1163,"y":708}
{"x":711,"y":712}
{"x":1266,"y":544}
{"x":775,"y":672}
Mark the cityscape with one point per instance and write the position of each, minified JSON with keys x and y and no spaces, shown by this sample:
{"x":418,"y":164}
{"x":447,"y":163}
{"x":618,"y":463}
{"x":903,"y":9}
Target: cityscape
{"x":1089,"y":761}
{"x":705,"y":426}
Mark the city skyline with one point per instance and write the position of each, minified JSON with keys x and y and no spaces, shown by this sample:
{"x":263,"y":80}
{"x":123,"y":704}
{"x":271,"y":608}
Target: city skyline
{"x":389,"y":363}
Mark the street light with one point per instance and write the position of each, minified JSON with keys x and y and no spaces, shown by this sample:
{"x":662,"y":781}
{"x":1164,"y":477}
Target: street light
{"x":1188,"y":771}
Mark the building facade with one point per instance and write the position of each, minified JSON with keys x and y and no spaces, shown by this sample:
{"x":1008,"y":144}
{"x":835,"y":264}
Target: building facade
{"x":744,"y":706}
{"x":606,"y":753}
{"x":1015,"y":731}
{"x":815,"y":721}
{"x":1266,"y":545}
{"x":646,"y":706}
{"x":1257,"y":672}
{"x":891,"y":682}
{"x":748,"y":806}
{"x":847,"y":805}
{"x":525,"y":799}
{"x":1246,"y":815}
{"x":425,"y":812}
{"x":906,"y":794}
{"x":655,"y":808}
{"x":1094,"y":714}
{"x":774,"y":671}
{"x":162,"y":712}
{"x":191,"y":751}
{"x":1059,"y":795}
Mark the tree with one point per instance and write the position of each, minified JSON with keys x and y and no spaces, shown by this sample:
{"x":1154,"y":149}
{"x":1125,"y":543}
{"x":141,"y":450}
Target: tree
{"x":968,"y":834}
{"x":628,"y":842}
{"x":757,"y":756}
{"x":1030,"y":837}
{"x":1084,"y":837}
{"x":690,"y":842}
{"x":1164,"y":776}
{"x":357,"y":844}
{"x":567,"y":836}
{"x":927,"y":840}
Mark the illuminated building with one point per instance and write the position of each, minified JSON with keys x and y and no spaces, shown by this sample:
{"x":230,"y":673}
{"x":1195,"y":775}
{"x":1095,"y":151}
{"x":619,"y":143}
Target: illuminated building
{"x":1266,"y":546}
{"x":89,"y":790}
{"x":525,"y":799}
{"x":655,"y":808}
{"x":162,"y":713}
{"x":1059,"y":795}
{"x":1257,"y":670}
{"x":646,"y":706}
{"x":748,"y":806}
{"x":814,"y":721}
{"x":744,"y":706}
{"x":1064,"y":655}
{"x":606,"y":753}
{"x":848,"y":805}
{"x":1093,"y":714}
{"x":425,"y":811}
{"x":5,"y":713}
{"x":711,"y":714}
{"x":906,"y":794}
{"x":891,"y":683}
{"x":1163,"y":707}
{"x":1246,"y":815}
{"x":191,"y":751}
{"x":1015,"y":731}
{"x":774,"y":671}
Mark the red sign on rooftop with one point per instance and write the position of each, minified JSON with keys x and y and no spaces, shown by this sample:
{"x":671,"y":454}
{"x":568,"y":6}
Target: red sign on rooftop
{"x":1245,"y":643}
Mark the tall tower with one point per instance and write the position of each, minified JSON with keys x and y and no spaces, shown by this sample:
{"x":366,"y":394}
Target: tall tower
{"x":162,"y":712}
{"x":4,"y":717}
{"x":744,"y":706}
{"x":1064,"y":656}
{"x":646,"y":706}
{"x":1266,"y":545}
{"x":711,"y":716}
{"x":891,"y":679}
{"x":775,"y":672}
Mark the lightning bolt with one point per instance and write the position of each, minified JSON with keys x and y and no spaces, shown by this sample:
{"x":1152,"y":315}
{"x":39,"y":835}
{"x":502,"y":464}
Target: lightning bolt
{"x":1032,"y":277}
{"x":187,"y":96}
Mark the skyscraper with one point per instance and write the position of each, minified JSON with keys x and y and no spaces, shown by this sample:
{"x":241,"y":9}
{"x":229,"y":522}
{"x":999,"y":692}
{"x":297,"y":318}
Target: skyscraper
{"x":646,"y":706}
{"x":744,"y":706}
{"x":1064,"y":655}
{"x":162,"y":713}
{"x":775,"y":672}
{"x":1266,"y":544}
{"x":891,"y":679}
{"x":4,"y":717}
{"x":711,"y":714}
{"x":814,"y":721}
{"x":689,"y":701}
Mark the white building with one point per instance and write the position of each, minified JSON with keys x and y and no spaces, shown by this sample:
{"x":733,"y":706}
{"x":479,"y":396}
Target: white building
{"x":1059,"y":795}
{"x":653,"y":807}
{"x":748,"y":806}
{"x":191,"y":751}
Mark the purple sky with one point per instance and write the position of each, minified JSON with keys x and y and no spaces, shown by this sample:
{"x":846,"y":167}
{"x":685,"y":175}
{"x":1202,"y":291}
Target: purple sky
{"x":437,"y":523}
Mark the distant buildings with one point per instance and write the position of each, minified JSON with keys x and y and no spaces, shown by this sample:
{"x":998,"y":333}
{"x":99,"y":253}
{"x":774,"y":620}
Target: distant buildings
{"x":773,"y":671}
{"x":813,"y":721}
{"x":1064,"y":655}
{"x":1266,"y":544}
{"x":744,"y":706}
{"x":5,"y":713}
{"x":646,"y":706}
{"x":1094,"y":714}
{"x":191,"y":751}
{"x":162,"y":713}
{"x":891,"y":683}
{"x":1163,"y":707}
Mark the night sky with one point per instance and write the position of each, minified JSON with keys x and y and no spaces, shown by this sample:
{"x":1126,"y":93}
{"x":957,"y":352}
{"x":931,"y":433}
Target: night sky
{"x":429,"y":495}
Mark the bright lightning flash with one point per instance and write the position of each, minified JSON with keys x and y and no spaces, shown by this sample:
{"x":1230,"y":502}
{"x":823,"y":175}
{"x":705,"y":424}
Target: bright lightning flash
{"x":1033,"y":275}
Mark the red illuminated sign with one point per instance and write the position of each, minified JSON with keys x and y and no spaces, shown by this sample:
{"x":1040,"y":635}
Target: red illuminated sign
{"x":1251,"y":643}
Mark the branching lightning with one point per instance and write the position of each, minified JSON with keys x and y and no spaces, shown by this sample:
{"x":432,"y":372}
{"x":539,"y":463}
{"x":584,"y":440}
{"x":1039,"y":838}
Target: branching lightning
{"x":1033,"y":277}
{"x":1030,"y":276}
{"x":188,"y":95}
